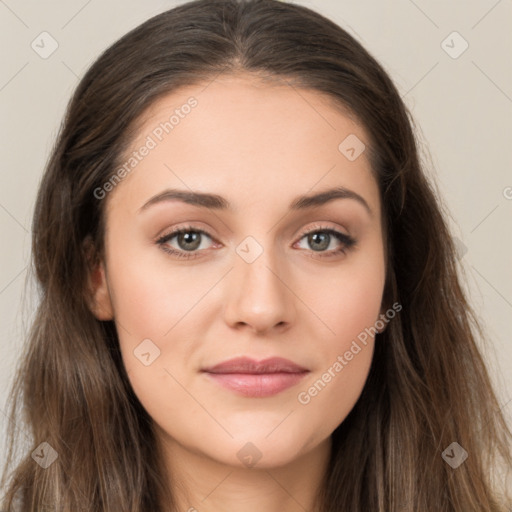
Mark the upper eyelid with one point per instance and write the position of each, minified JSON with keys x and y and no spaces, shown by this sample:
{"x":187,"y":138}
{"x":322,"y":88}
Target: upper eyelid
{"x":185,"y":229}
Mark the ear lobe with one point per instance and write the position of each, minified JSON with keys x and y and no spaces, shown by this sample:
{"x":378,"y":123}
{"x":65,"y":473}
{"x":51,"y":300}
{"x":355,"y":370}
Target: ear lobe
{"x":100,"y":303}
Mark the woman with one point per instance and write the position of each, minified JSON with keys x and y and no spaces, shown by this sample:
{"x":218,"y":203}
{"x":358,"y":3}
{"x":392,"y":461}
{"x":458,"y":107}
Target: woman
{"x":249,"y":294}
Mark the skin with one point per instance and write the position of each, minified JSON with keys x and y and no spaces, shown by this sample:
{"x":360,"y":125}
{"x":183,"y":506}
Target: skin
{"x":258,"y":145}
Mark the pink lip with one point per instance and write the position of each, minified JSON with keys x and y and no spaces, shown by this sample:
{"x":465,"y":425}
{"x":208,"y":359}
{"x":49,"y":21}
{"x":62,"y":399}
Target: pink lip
{"x":257,"y":379}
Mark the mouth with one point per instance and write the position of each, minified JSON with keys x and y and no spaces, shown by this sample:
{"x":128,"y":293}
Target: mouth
{"x":251,"y":378}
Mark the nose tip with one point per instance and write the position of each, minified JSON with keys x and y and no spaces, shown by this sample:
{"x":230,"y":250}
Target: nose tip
{"x":256,"y":295}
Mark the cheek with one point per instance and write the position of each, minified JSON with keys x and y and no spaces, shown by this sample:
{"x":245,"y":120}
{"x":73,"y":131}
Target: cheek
{"x":333,"y":393}
{"x":350,"y":309}
{"x":338,"y":380}
{"x":149,"y":301}
{"x":347,"y":302}
{"x":157,"y":314}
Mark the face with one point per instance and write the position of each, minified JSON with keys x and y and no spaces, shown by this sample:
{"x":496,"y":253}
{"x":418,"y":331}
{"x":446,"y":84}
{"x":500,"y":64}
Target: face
{"x":243,"y":305}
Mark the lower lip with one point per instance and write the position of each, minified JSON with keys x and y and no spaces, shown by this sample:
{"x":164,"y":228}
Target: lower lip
{"x":257,"y":385}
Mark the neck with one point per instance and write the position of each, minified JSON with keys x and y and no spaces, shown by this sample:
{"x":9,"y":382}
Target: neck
{"x":201,"y":484}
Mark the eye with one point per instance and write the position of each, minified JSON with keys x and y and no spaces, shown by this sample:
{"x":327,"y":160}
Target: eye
{"x":322,"y":238}
{"x":189,"y":242}
{"x":188,"y":239}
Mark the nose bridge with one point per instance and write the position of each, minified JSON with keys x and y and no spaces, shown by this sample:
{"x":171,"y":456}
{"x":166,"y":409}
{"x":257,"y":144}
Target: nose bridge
{"x":258,"y":295}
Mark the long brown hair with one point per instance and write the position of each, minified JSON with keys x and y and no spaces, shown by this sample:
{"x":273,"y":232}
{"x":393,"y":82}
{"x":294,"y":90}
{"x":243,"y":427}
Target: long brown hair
{"x":428,"y":386}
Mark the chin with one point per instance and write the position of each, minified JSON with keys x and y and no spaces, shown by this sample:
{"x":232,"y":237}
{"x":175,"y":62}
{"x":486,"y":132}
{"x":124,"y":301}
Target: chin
{"x":258,"y":452}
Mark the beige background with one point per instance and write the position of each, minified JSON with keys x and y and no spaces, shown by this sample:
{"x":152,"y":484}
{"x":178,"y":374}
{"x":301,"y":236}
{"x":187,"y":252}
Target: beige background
{"x":462,"y":107}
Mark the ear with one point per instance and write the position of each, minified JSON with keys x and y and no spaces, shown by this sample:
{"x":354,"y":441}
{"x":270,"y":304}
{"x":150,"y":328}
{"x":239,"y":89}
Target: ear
{"x":100,"y":303}
{"x":98,"y":298}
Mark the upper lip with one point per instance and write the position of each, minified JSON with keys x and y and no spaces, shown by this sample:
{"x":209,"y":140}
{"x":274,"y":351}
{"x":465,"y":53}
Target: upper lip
{"x":251,"y":366}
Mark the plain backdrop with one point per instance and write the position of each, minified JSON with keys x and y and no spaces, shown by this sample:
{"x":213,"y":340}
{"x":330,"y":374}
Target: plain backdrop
{"x":451,"y":62}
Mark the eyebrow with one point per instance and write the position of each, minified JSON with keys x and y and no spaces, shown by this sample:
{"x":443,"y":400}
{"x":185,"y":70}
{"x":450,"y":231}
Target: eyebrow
{"x":216,"y":202}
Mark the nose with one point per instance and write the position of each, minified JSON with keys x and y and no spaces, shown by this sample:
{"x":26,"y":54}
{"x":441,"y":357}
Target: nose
{"x":258,"y":296}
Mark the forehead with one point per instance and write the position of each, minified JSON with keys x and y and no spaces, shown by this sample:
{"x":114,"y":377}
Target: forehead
{"x":261,"y":105}
{"x":248,"y":139}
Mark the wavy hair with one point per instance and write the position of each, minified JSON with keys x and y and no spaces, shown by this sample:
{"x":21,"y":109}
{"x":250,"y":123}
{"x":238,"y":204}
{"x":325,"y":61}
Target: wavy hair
{"x":428,"y":385}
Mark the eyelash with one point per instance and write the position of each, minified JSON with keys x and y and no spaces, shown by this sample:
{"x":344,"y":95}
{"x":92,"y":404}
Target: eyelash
{"x":347,"y":241}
